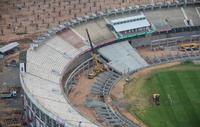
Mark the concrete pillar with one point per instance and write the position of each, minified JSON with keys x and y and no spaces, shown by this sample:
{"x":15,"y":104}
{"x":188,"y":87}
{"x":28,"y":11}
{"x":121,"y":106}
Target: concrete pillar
{"x":37,"y":123}
{"x":45,"y":119}
{"x":29,"y":114}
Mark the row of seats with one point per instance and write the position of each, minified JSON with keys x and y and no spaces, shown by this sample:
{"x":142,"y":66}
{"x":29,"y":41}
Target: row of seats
{"x":51,"y":58}
{"x":45,"y":65}
{"x":111,"y":117}
{"x":43,"y":71}
{"x":63,"y":47}
{"x":49,"y":99}
{"x":104,"y":82}
{"x":106,"y":113}
{"x":192,"y":14}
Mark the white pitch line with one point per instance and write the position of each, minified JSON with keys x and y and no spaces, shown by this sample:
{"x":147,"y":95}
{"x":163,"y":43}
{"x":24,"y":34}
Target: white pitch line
{"x":171,"y":101}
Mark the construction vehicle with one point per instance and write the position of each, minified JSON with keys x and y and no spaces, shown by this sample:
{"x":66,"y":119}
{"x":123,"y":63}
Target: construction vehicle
{"x":97,"y":67}
{"x":10,"y":94}
{"x":156,"y":98}
{"x":188,"y":46}
{"x":11,"y":122}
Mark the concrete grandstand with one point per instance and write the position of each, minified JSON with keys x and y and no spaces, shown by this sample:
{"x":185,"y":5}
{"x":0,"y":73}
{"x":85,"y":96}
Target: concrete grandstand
{"x":56,"y":59}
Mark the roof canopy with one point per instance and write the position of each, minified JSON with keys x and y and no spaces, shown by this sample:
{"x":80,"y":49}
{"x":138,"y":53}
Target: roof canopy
{"x":8,"y":47}
{"x":129,"y":23}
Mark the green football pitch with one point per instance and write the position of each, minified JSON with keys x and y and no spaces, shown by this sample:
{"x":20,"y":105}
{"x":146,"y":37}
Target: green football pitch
{"x":179,"y":89}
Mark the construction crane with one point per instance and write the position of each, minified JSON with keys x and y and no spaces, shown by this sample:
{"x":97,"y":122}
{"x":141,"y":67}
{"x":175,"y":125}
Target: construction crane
{"x":97,"y":67}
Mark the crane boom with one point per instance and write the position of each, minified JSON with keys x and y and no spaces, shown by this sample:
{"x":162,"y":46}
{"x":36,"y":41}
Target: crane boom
{"x":97,"y":67}
{"x":92,"y":48}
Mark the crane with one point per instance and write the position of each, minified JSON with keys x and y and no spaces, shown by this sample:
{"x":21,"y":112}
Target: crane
{"x":97,"y":67}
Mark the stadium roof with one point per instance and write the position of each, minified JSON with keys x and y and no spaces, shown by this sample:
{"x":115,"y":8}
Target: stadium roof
{"x":127,"y":18}
{"x":129,"y":23}
{"x":8,"y":47}
{"x":122,"y":57}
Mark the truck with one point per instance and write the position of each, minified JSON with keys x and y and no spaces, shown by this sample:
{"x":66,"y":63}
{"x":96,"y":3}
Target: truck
{"x":10,"y":94}
{"x":188,"y":46}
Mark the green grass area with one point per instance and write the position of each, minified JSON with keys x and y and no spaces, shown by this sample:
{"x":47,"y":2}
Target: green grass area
{"x":179,"y":89}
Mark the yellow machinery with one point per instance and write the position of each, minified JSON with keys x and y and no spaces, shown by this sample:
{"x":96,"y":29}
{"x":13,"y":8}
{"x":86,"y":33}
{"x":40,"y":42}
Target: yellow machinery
{"x":156,"y":98}
{"x":189,"y":46}
{"x":97,"y":67}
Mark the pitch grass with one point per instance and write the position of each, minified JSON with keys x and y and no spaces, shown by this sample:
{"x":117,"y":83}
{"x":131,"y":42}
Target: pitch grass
{"x":179,"y":89}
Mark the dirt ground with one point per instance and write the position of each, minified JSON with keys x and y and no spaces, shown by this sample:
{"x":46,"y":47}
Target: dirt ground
{"x":147,"y":52}
{"x":10,"y":108}
{"x":170,"y":50}
{"x":79,"y":94}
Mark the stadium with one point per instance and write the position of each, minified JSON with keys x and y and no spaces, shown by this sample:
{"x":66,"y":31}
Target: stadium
{"x":125,"y":39}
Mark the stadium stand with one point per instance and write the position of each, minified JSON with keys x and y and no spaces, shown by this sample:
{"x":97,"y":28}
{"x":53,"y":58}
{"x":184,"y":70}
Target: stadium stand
{"x":104,"y":83}
{"x":174,"y":17}
{"x":114,"y":119}
{"x":44,"y":69}
{"x":122,"y":57}
{"x":63,"y":47}
{"x":98,"y":31}
{"x":49,"y":96}
{"x":50,"y":61}
{"x":192,"y":15}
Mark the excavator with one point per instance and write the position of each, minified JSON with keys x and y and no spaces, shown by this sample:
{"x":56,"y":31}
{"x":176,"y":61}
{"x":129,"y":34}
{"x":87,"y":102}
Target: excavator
{"x":97,"y":67}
